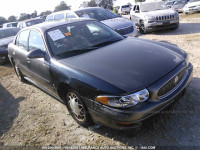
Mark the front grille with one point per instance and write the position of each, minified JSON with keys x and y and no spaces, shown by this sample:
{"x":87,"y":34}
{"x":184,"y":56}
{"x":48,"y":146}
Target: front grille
{"x":192,"y":7}
{"x":172,"y":83}
{"x":168,"y":17}
{"x":125,"y":31}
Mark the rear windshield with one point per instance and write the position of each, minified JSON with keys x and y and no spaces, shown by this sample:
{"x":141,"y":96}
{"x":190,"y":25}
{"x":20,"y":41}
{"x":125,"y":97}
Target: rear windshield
{"x":8,"y":32}
{"x":126,"y":6}
{"x":33,"y":22}
{"x":97,"y":14}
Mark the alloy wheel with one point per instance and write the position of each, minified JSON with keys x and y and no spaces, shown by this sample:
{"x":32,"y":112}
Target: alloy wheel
{"x":76,"y":106}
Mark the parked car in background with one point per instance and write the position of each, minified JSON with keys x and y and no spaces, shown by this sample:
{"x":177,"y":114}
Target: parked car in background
{"x":121,"y":25}
{"x":99,"y":74}
{"x":10,"y":24}
{"x":29,"y":22}
{"x":176,"y":5}
{"x":192,"y":6}
{"x":154,"y":16}
{"x":124,"y":9}
{"x":6,"y":36}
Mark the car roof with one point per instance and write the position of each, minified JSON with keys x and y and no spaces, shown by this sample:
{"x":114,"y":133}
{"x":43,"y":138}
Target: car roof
{"x":31,"y":19}
{"x":51,"y":24}
{"x":88,"y":8}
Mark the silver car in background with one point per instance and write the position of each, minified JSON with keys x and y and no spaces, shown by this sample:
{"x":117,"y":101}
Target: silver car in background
{"x":120,"y":24}
{"x":192,"y":6}
{"x":176,"y":5}
{"x":154,"y":16}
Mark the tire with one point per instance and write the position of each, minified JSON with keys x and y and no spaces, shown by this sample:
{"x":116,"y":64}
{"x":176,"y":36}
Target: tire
{"x":78,"y":109}
{"x":142,"y":28}
{"x":175,"y":27}
{"x":19,"y":73}
{"x":3,"y":60}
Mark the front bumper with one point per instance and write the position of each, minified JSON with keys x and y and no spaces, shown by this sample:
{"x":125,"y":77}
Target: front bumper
{"x":134,"y":33}
{"x":108,"y":116}
{"x":160,"y":25}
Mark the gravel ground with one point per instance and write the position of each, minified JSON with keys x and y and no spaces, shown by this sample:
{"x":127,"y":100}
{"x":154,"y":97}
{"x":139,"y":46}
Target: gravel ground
{"x":29,"y":117}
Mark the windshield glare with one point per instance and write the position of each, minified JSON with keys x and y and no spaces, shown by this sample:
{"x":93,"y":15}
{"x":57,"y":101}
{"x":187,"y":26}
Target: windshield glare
{"x":152,"y":7}
{"x":97,"y":14}
{"x":8,"y":33}
{"x":79,"y":36}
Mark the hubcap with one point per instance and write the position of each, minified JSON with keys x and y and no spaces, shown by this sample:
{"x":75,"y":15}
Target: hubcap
{"x":76,"y":106}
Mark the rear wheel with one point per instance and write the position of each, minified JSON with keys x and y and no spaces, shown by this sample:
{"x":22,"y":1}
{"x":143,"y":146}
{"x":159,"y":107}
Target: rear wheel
{"x":77,"y":109}
{"x":19,"y":73}
{"x":3,"y":60}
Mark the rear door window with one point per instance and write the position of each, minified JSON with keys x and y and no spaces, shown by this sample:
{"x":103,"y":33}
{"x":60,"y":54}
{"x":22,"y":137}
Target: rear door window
{"x":49,"y":18}
{"x":59,"y":16}
{"x":22,"y":40}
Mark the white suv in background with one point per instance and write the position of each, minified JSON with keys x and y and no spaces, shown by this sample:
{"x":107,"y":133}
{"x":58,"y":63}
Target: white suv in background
{"x":124,"y":9}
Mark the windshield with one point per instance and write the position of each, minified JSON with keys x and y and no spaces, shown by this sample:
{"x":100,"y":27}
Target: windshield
{"x":80,"y":36}
{"x":152,"y":7}
{"x":97,"y":14}
{"x":33,"y":22}
{"x":8,"y":32}
{"x":169,"y":3}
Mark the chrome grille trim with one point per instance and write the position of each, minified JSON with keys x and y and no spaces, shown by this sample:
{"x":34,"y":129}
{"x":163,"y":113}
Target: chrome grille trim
{"x":168,"y":17}
{"x":176,"y":87}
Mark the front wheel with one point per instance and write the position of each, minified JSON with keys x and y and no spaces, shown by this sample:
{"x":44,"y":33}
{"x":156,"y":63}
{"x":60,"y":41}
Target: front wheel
{"x":142,"y":28}
{"x":77,"y":109}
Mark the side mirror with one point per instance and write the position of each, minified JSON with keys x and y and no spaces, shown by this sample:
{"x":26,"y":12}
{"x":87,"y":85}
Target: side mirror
{"x":36,"y":54}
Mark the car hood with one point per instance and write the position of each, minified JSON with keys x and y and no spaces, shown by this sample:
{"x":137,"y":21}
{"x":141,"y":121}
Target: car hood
{"x":192,"y":4}
{"x":6,"y":41}
{"x":131,"y":64}
{"x":159,"y":13}
{"x":118,"y":23}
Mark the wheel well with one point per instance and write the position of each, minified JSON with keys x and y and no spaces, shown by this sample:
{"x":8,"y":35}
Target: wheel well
{"x":62,"y":89}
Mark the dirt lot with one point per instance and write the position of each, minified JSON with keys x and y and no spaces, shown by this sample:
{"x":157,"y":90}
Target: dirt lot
{"x":29,"y":117}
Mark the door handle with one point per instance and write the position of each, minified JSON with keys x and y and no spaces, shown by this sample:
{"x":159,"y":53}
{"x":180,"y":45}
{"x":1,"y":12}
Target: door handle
{"x":28,"y":60}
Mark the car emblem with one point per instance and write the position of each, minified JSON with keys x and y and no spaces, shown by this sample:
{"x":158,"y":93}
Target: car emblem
{"x":176,"y":79}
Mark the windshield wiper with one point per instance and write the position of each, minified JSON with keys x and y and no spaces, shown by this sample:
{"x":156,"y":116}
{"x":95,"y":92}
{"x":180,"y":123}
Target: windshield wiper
{"x":78,"y":50}
{"x":108,"y":42}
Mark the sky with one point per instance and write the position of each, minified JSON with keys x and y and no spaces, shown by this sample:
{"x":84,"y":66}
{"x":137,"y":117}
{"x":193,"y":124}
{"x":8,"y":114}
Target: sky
{"x":16,"y":7}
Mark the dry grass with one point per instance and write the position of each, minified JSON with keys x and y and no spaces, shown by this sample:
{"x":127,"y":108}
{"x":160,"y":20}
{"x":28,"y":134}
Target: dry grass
{"x":6,"y":70}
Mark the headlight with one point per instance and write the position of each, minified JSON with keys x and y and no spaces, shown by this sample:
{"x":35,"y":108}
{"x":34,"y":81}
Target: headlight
{"x":187,"y":60}
{"x":176,"y":15}
{"x":124,"y":101}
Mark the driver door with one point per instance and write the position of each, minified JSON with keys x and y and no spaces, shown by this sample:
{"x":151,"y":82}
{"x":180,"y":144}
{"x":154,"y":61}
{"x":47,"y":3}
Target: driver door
{"x":39,"y":67}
